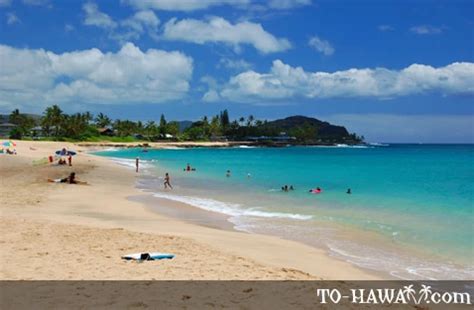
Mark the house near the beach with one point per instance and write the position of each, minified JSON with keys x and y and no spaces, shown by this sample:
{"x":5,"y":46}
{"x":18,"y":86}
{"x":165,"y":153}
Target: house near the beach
{"x":106,"y":131}
{"x":37,"y":131}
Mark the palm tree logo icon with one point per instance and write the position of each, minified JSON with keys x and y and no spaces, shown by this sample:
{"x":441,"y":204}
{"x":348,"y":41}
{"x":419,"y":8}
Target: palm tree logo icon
{"x":424,"y":293}
{"x":409,"y":292}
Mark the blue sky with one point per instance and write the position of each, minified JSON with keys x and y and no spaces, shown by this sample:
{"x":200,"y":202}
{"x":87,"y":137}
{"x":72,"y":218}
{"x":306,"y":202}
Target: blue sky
{"x":395,"y":71}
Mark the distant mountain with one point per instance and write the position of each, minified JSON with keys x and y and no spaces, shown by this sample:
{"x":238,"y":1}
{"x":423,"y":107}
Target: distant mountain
{"x":308,"y":129}
{"x":324,"y":129}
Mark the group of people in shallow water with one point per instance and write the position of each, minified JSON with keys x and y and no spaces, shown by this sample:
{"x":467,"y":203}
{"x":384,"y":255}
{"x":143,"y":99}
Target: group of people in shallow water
{"x":285,"y":188}
{"x":316,"y":190}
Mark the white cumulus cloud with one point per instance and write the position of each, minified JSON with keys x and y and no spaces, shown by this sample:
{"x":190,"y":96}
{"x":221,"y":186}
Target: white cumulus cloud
{"x":321,"y":45}
{"x":217,"y":29}
{"x":211,"y":96}
{"x":287,"y":4}
{"x":128,"y":29}
{"x":182,"y":5}
{"x":137,"y":24}
{"x":94,"y":17}
{"x":142,"y":19}
{"x":36,"y":77}
{"x":234,"y":64}
{"x":284,"y":82}
{"x":193,"y":5}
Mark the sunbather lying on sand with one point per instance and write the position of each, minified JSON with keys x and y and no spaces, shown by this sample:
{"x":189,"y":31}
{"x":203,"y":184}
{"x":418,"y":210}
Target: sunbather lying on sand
{"x":71,"y":179}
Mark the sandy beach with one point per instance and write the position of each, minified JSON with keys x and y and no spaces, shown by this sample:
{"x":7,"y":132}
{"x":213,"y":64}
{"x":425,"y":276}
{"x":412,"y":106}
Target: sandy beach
{"x":79,"y":232}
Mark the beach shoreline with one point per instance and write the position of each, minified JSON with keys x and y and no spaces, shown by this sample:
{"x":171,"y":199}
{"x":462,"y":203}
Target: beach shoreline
{"x":38,"y":208}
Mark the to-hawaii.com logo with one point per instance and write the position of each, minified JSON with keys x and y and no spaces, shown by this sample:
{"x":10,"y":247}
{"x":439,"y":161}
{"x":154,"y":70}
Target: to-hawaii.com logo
{"x":405,"y":295}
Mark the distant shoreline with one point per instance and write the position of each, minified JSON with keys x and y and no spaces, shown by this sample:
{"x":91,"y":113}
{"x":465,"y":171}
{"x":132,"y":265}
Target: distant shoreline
{"x":190,"y":144}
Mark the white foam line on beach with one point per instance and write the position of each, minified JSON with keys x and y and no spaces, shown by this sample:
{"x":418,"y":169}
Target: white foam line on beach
{"x":231,"y":209}
{"x":111,"y":149}
{"x":245,"y":147}
{"x":130,"y":163}
{"x":405,"y":268}
{"x":173,"y":148}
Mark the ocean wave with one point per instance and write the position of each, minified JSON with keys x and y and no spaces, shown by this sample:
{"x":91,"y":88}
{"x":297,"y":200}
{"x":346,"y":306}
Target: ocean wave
{"x":354,"y":146}
{"x":343,"y":146}
{"x":111,"y":149}
{"x":398,"y":266}
{"x":245,"y":147}
{"x":130,"y":163}
{"x":378,"y":144}
{"x":173,"y":148}
{"x":231,"y":209}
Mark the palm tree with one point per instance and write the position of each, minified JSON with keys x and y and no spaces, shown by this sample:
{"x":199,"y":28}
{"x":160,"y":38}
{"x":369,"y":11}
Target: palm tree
{"x":151,"y":129}
{"x":53,"y":116}
{"x":224,"y":120}
{"x":23,"y":123}
{"x":139,"y":127}
{"x":215,"y":127}
{"x":250,"y":120}
{"x":87,"y":116}
{"x":102,"y":120}
{"x":241,"y":120}
{"x":162,"y":125}
{"x":14,"y":117}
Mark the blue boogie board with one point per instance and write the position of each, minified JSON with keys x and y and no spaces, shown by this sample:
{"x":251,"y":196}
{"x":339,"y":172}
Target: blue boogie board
{"x":148,"y":256}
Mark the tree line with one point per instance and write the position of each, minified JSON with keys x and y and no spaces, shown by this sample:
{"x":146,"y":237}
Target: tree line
{"x":57,"y":125}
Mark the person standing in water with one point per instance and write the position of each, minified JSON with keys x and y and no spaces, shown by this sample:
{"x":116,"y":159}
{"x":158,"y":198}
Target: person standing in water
{"x":137,"y":163}
{"x":167,"y":181}
{"x":349,"y":191}
{"x":227,"y":173}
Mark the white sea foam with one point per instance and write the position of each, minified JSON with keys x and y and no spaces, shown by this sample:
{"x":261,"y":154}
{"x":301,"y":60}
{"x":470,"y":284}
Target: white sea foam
{"x":231,"y":209}
{"x":130,"y":163}
{"x":402,"y":267}
{"x":378,"y":144}
{"x":111,"y":149}
{"x":174,"y":148}
{"x":246,"y":147}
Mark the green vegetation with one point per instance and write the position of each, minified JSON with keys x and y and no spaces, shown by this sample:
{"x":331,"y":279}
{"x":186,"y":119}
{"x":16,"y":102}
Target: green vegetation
{"x":57,"y":125}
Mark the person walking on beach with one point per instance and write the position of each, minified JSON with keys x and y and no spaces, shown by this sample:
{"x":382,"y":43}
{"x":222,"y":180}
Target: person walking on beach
{"x":167,"y":181}
{"x":69,"y":160}
{"x":137,"y":163}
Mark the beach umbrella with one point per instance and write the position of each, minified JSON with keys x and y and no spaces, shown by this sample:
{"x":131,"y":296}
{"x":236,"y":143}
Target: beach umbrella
{"x":65,"y":152}
{"x":8,"y":144}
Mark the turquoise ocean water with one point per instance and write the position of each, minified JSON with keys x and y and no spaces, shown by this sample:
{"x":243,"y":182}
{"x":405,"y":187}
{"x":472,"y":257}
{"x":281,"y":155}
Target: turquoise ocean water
{"x":410,"y":213}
